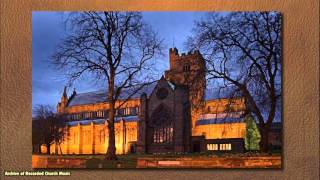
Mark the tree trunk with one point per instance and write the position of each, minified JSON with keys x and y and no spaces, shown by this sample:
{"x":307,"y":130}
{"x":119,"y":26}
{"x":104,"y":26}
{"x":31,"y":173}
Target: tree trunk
{"x":56,"y":148}
{"x":59,"y":144}
{"x":264,"y":142}
{"x":48,"y":149}
{"x":111,"y":152}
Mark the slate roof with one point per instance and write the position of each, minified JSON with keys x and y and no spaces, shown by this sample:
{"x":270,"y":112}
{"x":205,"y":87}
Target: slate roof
{"x":100,"y":96}
{"x":102,"y":121}
{"x":226,"y":120}
{"x":220,"y":118}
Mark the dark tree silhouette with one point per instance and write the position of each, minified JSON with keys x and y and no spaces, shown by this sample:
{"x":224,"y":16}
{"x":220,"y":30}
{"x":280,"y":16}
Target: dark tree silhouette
{"x":36,"y":136}
{"x":115,"y":47}
{"x":244,"y":51}
{"x":47,"y":127}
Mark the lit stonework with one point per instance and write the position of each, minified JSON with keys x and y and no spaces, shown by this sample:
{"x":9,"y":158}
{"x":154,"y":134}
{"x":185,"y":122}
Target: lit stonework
{"x":176,"y":114}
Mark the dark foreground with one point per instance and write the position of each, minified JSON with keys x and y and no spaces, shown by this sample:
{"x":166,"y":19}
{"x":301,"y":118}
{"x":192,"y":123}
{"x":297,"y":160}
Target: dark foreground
{"x":159,"y":161}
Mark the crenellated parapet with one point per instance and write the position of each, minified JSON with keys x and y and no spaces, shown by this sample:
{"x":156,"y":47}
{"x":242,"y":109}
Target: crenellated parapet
{"x":178,"y":60}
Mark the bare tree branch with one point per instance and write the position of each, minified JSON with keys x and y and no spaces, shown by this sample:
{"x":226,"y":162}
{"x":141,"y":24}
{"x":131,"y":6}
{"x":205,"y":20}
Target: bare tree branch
{"x":245,"y":50}
{"x":116,"y":46}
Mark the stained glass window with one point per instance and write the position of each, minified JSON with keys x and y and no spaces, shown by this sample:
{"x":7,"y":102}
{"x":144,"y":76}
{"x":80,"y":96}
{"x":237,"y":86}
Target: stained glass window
{"x":162,"y":125}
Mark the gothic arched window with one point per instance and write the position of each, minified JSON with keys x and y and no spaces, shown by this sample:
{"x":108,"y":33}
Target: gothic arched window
{"x":162,"y":125}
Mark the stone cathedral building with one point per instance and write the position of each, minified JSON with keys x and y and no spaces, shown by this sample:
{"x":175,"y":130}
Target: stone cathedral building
{"x":177,"y":114}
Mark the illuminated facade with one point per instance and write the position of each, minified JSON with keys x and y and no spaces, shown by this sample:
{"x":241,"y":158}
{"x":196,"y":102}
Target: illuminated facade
{"x":175,"y":114}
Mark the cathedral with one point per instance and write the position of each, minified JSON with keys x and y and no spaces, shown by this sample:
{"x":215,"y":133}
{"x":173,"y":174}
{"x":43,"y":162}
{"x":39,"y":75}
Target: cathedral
{"x":177,"y":114}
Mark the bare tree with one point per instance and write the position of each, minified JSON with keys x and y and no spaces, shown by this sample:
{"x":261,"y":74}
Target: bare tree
{"x":243,"y":50}
{"x":115,"y":47}
{"x":47,"y":127}
{"x":36,"y":136}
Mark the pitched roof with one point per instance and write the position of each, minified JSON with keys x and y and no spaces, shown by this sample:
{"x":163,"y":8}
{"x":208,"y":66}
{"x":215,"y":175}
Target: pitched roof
{"x":226,"y":120}
{"x":100,"y":96}
{"x":220,"y":118}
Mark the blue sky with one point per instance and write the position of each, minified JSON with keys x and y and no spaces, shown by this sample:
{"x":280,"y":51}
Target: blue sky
{"x":48,"y":30}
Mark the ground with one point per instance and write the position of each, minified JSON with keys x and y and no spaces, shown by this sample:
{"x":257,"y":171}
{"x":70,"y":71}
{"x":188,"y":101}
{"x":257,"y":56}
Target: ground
{"x":193,"y":160}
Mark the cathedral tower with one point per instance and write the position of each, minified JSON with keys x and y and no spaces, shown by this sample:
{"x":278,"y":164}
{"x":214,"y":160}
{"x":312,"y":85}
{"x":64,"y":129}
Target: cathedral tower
{"x":188,"y":69}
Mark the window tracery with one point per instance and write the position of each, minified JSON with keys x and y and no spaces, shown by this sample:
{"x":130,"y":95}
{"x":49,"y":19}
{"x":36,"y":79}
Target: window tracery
{"x":162,"y":125}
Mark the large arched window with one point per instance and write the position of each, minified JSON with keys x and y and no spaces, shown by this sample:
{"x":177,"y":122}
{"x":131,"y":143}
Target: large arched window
{"x":162,"y":125}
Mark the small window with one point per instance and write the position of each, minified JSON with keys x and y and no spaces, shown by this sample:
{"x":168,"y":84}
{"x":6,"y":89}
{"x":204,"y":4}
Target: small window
{"x":99,"y":114}
{"x":94,"y":114}
{"x":87,"y":115}
{"x":225,"y":147}
{"x":106,"y":113}
{"x":134,"y":111}
{"x":228,"y":146}
{"x":121,"y":112}
{"x":212,"y":147}
{"x":81,"y":116}
{"x":127,"y":111}
{"x":186,"y":68}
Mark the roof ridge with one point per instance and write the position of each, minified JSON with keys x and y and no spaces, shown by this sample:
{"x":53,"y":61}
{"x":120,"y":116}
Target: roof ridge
{"x":92,"y":91}
{"x":99,"y":96}
{"x":105,"y":90}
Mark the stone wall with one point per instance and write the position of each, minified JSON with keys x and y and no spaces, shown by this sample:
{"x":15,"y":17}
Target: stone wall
{"x":221,"y":131}
{"x":93,"y":139}
{"x":211,"y":162}
{"x":173,"y":110}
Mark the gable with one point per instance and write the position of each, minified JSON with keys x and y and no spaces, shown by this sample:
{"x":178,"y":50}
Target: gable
{"x":162,"y":89}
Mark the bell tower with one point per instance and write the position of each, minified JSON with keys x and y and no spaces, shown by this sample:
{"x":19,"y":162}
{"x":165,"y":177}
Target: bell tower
{"x":186,"y":69}
{"x":189,"y":70}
